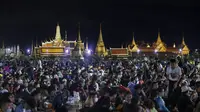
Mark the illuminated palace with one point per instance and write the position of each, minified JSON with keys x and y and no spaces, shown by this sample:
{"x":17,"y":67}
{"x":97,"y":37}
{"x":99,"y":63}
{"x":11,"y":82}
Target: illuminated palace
{"x":60,"y":47}
{"x":158,"y":47}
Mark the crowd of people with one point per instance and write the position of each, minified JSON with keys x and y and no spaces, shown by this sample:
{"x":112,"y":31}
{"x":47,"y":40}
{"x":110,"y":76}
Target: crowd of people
{"x":140,"y":84}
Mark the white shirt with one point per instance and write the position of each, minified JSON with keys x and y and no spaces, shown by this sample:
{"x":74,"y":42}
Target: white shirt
{"x":40,"y":64}
{"x":97,"y":86}
{"x":4,"y":91}
{"x":174,"y":74}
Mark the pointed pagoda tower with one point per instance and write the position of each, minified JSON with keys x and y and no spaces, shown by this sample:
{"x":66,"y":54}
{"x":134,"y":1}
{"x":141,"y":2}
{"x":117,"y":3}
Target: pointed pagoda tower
{"x":184,"y":48}
{"x":158,"y":39}
{"x":100,"y":47}
{"x":78,"y":49}
{"x":183,"y":42}
{"x":58,"y":35}
{"x":66,"y":36}
{"x":87,"y":51}
{"x":160,"y":45}
{"x":133,"y":46}
{"x":174,"y":45}
{"x":86,"y":44}
{"x":133,"y":41}
{"x":32,"y":48}
{"x":79,"y":41}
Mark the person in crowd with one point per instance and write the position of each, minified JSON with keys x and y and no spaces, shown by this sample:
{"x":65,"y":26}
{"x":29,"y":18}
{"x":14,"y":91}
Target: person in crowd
{"x":140,"y":84}
{"x":174,"y":74}
{"x":149,"y":106}
{"x":184,"y":101}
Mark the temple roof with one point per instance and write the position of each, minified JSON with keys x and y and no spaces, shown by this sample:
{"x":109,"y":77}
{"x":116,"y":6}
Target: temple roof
{"x":159,"y":38}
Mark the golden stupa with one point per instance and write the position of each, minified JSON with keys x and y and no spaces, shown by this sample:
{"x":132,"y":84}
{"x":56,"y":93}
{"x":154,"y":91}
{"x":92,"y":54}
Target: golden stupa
{"x":100,"y":47}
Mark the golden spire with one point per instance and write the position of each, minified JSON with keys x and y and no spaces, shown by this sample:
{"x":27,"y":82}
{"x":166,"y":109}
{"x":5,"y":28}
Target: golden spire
{"x":32,"y":48}
{"x":174,"y":46}
{"x":183,"y":40}
{"x":86,"y":43}
{"x":100,"y":35}
{"x":78,"y":42}
{"x":65,"y":35}
{"x":79,"y":33}
{"x":133,"y":41}
{"x":36,"y":43}
{"x":159,"y":38}
{"x":100,"y":47}
{"x":58,"y":35}
{"x":148,"y":46}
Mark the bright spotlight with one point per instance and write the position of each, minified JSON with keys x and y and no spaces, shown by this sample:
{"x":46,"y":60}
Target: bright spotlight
{"x":156,"y":51}
{"x":28,"y":51}
{"x":89,"y":51}
{"x":138,"y":50}
{"x":67,"y":51}
{"x":180,"y":50}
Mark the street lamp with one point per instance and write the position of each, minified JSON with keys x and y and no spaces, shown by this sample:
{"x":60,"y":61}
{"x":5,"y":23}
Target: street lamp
{"x":89,"y":51}
{"x":28,"y":51}
{"x":66,"y":51}
{"x":155,"y":50}
{"x":180,"y":50}
{"x":138,"y":51}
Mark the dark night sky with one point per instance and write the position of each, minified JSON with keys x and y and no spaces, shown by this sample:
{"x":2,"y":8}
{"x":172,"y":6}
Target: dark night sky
{"x":23,"y":21}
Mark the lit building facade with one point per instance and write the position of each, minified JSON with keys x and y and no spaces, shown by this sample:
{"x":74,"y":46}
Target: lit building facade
{"x":63,"y":47}
{"x":158,"y":47}
{"x":10,"y":50}
{"x":59,"y":47}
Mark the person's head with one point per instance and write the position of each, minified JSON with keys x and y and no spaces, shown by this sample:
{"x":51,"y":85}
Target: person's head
{"x":138,"y":88}
{"x":155,"y":85}
{"x":198,"y":87}
{"x":112,"y":95}
{"x":4,"y":103}
{"x":5,"y":85}
{"x":134,"y":101}
{"x":160,"y":92}
{"x":173,"y":63}
{"x":94,"y":78}
{"x":10,"y":97}
{"x":128,"y":97}
{"x":149,"y":104}
{"x":36,"y":94}
{"x":132,"y":79}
